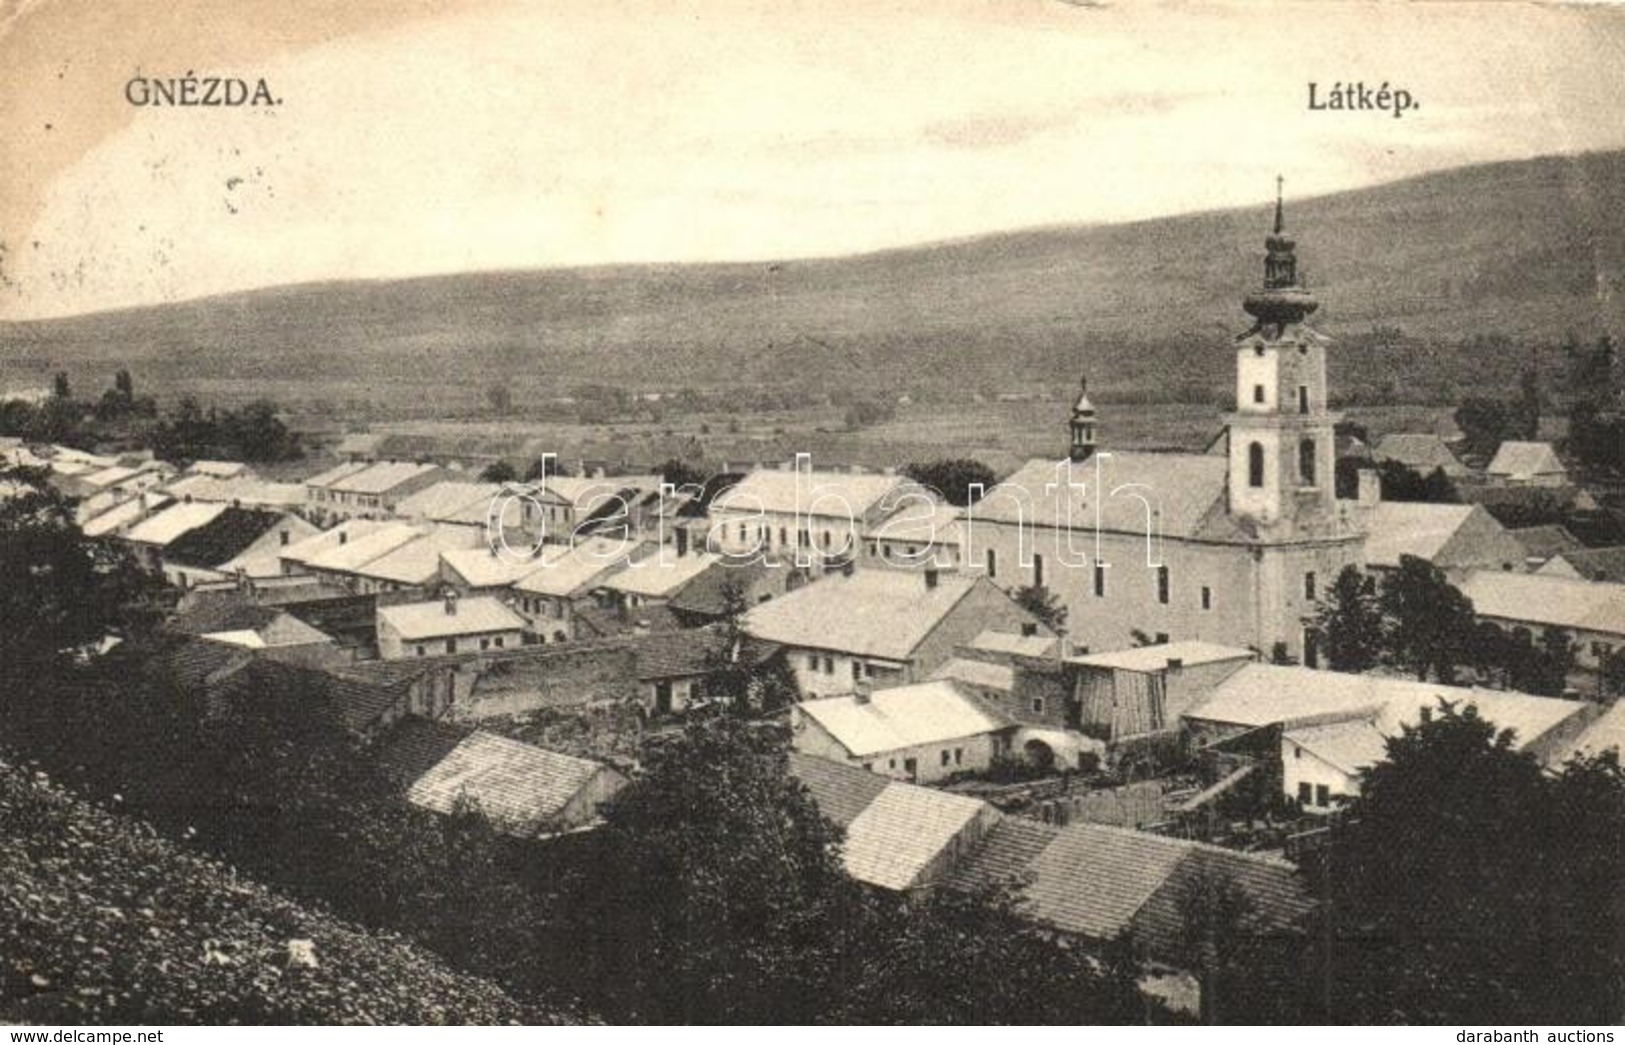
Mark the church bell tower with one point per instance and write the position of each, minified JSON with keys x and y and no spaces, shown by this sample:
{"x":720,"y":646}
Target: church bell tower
{"x":1082,"y":425}
{"x":1282,"y":452}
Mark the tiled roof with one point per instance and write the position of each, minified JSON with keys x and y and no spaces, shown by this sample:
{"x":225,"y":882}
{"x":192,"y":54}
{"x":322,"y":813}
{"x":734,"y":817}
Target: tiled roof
{"x":1596,"y":564}
{"x":704,"y":594}
{"x":1295,"y":697}
{"x":120,"y":515}
{"x":817,"y":493}
{"x":519,"y":787}
{"x":1547,"y":601}
{"x":661,"y":574}
{"x":1007,"y":642}
{"x":906,"y":835}
{"x":1187,"y":491}
{"x":482,"y":567}
{"x":1604,"y":734}
{"x":915,"y":523}
{"x":1543,"y":542}
{"x":304,"y":551}
{"x":241,"y":490}
{"x":429,"y":620}
{"x":1155,"y":658}
{"x":841,"y":792}
{"x":221,"y":539}
{"x":382,"y":478}
{"x":444,"y":500}
{"x":901,"y":717}
{"x":172,"y":522}
{"x":980,"y":673}
{"x":417,"y":562}
{"x":332,"y":475}
{"x":569,"y":572}
{"x":349,"y":556}
{"x":1421,"y":451}
{"x":1521,"y":460}
{"x":1396,"y":528}
{"x":415,"y":744}
{"x":880,"y":613}
{"x":223,"y":611}
{"x":218,"y":469}
{"x":1348,"y":746}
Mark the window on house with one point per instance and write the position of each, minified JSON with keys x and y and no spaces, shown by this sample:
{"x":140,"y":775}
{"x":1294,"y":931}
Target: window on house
{"x":1297,"y":752}
{"x":485,"y":644}
{"x":857,"y":669}
{"x":1038,"y":705}
{"x":1309,"y":585}
{"x":870,"y":766}
{"x":891,"y":763}
{"x":812,"y":662}
{"x":1306,"y":462}
{"x":829,"y":665}
{"x":282,"y":536}
{"x":1258,"y":393}
{"x":992,"y":563}
{"x":451,"y":645}
{"x":421,"y":651}
{"x":945,"y":756}
{"x":1038,"y":571}
{"x":1323,"y":795}
{"x":497,"y":642}
{"x":1207,"y":597}
{"x":1162,"y":585}
{"x":959,"y":756}
{"x":1100,"y":579}
{"x":1306,"y":793}
{"x":1162,"y":638}
{"x":1255,"y":465}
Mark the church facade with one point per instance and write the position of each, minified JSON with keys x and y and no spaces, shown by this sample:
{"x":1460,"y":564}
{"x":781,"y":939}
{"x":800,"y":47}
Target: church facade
{"x":1235,"y":547}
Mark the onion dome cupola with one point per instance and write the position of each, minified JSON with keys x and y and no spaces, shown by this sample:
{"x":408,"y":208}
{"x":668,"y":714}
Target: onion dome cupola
{"x":1082,"y":424}
{"x":1283,"y":300}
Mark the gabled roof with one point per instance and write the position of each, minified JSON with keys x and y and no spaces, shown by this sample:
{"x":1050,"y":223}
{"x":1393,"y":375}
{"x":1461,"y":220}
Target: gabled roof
{"x":447,"y":499}
{"x":415,"y":745}
{"x":940,"y":525}
{"x":878,"y":613}
{"x":901,"y":717}
{"x":488,"y":567}
{"x":1422,"y":451}
{"x":1012,"y":644}
{"x":169,"y":524}
{"x":1605,"y":734}
{"x":979,"y":673}
{"x":241,"y":490}
{"x":1347,"y":746}
{"x":382,"y":478}
{"x":349,"y":556}
{"x":848,"y":496}
{"x":1543,"y":542}
{"x":704,"y":595}
{"x":1592,"y":564}
{"x":519,"y":787}
{"x":334,"y":474}
{"x":570,"y":571}
{"x":430,"y":620}
{"x":1156,"y":658}
{"x":660,"y":575}
{"x":1186,"y":491}
{"x":219,"y":469}
{"x":1396,"y":528}
{"x":416,"y":562}
{"x":223,"y":538}
{"x":315,"y":545}
{"x":898,"y":836}
{"x":1539,"y":599}
{"x":1519,"y":460}
{"x":123,"y":514}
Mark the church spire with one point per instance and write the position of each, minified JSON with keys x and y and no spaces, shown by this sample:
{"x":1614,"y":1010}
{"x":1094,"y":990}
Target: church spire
{"x":1283,"y":300}
{"x":1082,"y":425}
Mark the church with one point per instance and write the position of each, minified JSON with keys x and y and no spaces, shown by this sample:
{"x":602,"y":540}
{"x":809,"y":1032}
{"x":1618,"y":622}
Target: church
{"x":1234,"y":546}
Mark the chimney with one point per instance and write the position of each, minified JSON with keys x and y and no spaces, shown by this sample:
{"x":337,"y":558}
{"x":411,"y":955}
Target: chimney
{"x":931,"y":578}
{"x":344,"y":537}
{"x":1176,"y":665}
{"x":863,"y":691}
{"x":451,"y":603}
{"x":1029,"y":629}
{"x":1369,"y":493}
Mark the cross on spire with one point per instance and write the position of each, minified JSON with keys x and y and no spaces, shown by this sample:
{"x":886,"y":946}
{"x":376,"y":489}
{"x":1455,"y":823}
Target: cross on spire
{"x":1280,"y":183}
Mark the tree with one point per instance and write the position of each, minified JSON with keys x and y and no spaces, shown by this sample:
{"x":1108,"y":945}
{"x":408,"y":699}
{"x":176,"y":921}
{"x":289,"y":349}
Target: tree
{"x":500,"y":396}
{"x":681,"y":474}
{"x":1400,"y":482}
{"x":1485,"y":423}
{"x":1613,"y":673}
{"x":1429,"y":623}
{"x":733,"y":677}
{"x":124,"y":385}
{"x":60,"y":387}
{"x":1465,"y":886}
{"x":1350,"y":622}
{"x":959,"y":481}
{"x":1043,"y":604}
{"x":727,"y":898}
{"x":499,"y":472}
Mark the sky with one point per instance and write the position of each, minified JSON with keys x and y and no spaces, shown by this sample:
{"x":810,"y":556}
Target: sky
{"x":429,"y":136}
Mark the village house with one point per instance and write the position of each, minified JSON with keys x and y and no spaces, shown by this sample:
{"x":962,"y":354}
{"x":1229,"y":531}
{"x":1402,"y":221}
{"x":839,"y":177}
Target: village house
{"x":1542,"y":543}
{"x":921,"y":733}
{"x":1527,"y":464}
{"x":804,"y":518}
{"x":1421,"y":452}
{"x":710,"y":596}
{"x":219,"y":469}
{"x":119,"y":519}
{"x":1235,"y":549}
{"x":372,"y":491}
{"x":149,"y":538}
{"x":916,"y":537}
{"x":884,"y":627}
{"x":444,"y":626}
{"x":1328,"y":726}
{"x":245,"y":491}
{"x":1606,"y":565}
{"x":486,"y":569}
{"x":1456,"y":538}
{"x":551,"y":592}
{"x":654,"y":580}
{"x":524,"y":790}
{"x":1148,"y":689}
{"x":566,"y":509}
{"x":1591,"y":613}
{"x":235,"y":542}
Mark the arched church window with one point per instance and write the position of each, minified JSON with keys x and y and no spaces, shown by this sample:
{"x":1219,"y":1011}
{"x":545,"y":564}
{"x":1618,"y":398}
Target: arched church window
{"x":1255,"y":464}
{"x":1306,"y":461}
